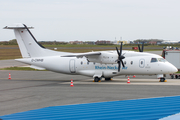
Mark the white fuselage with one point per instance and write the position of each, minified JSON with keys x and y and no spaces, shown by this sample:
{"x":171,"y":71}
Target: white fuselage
{"x":135,"y":64}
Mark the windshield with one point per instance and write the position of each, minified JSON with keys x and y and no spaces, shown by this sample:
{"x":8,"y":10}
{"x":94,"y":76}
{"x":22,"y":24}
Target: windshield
{"x":154,"y":60}
{"x":161,"y":60}
{"x":158,"y":60}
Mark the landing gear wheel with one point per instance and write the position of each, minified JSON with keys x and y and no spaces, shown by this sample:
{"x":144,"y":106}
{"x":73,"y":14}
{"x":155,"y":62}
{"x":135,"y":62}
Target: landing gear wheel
{"x":107,"y":79}
{"x":96,"y":79}
{"x":162,"y":79}
{"x":176,"y":76}
{"x":172,"y":76}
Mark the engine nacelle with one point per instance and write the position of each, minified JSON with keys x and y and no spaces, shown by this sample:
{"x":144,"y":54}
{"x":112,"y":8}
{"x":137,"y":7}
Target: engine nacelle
{"x":104,"y":58}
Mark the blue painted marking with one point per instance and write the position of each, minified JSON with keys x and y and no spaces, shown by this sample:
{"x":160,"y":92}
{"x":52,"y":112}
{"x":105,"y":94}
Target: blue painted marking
{"x":139,"y":109}
{"x":108,"y":68}
{"x":125,"y":68}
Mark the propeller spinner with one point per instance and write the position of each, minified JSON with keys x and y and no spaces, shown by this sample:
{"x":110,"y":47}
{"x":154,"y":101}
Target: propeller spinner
{"x":120,"y":57}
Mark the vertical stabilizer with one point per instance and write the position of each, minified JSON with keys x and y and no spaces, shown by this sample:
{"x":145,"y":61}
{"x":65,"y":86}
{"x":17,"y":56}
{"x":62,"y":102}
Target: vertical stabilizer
{"x":28,"y":45}
{"x":21,"y":45}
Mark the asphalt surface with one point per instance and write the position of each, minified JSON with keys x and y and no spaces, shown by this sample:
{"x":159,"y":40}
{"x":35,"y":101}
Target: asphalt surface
{"x":28,"y":90}
{"x":10,"y":63}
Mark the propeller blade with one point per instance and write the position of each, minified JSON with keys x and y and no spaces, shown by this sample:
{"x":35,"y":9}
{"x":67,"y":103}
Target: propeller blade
{"x":142,"y":46}
{"x":139,"y":48}
{"x":120,"y":57}
{"x":119,"y":66}
{"x":122,"y":63}
{"x":118,"y":51}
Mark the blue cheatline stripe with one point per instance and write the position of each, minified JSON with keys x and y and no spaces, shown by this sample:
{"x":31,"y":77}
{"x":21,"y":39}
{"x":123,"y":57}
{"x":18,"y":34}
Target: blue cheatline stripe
{"x":152,"y":108}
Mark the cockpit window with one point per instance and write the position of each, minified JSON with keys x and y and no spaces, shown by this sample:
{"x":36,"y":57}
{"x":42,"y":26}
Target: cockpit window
{"x":154,"y":60}
{"x":161,"y":60}
{"x":158,"y":60}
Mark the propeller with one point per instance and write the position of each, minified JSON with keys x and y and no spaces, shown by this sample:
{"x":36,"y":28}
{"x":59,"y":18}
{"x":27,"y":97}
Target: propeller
{"x":120,"y":57}
{"x":141,"y":50}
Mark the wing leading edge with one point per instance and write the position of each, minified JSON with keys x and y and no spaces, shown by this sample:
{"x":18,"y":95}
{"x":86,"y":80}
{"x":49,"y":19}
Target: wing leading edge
{"x":80,"y":55}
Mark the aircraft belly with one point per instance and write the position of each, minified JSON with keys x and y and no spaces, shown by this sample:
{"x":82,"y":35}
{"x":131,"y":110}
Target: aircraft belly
{"x":86,"y":72}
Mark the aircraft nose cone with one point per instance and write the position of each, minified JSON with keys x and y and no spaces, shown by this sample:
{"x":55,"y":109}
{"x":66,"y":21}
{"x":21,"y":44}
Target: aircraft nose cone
{"x":174,"y":69}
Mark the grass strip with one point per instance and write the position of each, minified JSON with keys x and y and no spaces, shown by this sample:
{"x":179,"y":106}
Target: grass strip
{"x":21,"y":68}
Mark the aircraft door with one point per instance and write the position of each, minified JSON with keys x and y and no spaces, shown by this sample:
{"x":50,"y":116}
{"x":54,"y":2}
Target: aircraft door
{"x":72,"y":66}
{"x":141,"y":63}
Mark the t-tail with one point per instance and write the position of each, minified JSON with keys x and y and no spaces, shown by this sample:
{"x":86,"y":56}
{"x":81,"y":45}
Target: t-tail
{"x":28,"y":44}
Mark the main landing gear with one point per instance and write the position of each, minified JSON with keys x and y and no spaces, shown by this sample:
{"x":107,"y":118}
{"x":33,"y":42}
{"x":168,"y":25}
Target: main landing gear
{"x":97,"y":79}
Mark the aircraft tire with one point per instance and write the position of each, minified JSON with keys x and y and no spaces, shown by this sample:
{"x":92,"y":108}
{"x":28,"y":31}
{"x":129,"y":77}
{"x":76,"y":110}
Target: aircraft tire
{"x":176,"y":76}
{"x":162,"y":79}
{"x":96,"y":79}
{"x":172,"y":76}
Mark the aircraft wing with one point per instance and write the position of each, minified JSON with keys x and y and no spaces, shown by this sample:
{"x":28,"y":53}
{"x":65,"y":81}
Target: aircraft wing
{"x":79,"y":55}
{"x":106,"y":57}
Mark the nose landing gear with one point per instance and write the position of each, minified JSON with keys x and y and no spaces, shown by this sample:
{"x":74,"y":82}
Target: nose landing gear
{"x":162,"y":79}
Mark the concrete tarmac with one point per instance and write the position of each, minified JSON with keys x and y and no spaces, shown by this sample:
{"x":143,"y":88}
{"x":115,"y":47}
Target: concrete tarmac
{"x":28,"y":90}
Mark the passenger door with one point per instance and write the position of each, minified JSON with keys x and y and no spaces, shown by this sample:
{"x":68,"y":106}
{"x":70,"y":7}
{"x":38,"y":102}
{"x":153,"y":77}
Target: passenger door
{"x":72,"y":66}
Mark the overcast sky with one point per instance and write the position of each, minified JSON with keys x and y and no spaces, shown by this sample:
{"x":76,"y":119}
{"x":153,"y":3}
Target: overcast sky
{"x":65,"y":20}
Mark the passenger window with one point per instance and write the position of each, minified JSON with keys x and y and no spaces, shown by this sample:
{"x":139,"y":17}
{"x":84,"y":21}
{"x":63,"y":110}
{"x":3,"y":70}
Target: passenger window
{"x":154,"y":60}
{"x":141,"y":62}
{"x":81,"y":62}
{"x":131,"y":62}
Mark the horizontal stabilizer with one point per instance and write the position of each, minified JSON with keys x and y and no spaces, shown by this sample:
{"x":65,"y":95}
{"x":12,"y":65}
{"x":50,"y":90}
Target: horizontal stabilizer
{"x":17,"y":26}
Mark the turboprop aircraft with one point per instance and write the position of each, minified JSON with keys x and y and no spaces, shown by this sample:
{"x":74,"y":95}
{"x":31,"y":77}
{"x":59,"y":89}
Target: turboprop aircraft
{"x":99,"y":64}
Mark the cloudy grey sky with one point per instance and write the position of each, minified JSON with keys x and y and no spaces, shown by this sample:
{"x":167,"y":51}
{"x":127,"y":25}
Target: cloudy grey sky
{"x":66,"y":20}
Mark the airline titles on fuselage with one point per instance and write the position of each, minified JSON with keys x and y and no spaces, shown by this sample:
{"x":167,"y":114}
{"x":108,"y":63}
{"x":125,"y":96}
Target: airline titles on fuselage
{"x":108,"y":67}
